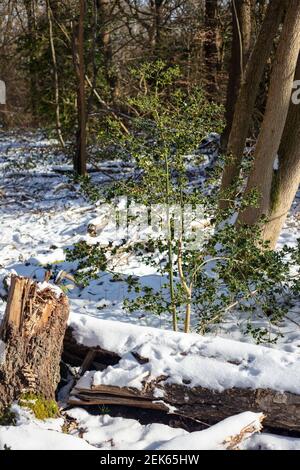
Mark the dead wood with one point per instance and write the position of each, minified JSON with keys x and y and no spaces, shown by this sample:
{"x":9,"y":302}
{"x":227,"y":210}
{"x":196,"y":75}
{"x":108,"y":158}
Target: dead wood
{"x":32,"y":330}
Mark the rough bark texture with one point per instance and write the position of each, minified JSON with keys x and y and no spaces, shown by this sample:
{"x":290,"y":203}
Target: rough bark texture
{"x":286,"y":179}
{"x":278,"y":102}
{"x":248,"y":91}
{"x":240,"y":50}
{"x":33,"y":329}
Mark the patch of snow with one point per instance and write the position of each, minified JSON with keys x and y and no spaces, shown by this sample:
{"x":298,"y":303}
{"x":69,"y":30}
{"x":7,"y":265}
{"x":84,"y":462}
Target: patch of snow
{"x":128,"y":374}
{"x":32,"y":437}
{"x":216,"y":437}
{"x":106,"y":432}
{"x":267,"y":441}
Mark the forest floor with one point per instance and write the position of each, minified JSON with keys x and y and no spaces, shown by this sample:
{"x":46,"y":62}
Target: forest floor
{"x":43,"y":212}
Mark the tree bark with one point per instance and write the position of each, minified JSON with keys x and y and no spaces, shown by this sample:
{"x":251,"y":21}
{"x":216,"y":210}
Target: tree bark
{"x":106,"y":48}
{"x":211,"y":50}
{"x":32,"y":32}
{"x":78,"y":53}
{"x":279,"y":97}
{"x":155,"y":33}
{"x":248,"y":92}
{"x":32,"y":330}
{"x":55,"y":71}
{"x":240,"y":51}
{"x":285,"y":180}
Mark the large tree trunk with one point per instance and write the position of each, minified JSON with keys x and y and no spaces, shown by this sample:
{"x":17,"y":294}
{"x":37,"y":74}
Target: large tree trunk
{"x":279,"y":97}
{"x":248,"y":92}
{"x":286,"y":179}
{"x":240,"y":50}
{"x":32,"y":331}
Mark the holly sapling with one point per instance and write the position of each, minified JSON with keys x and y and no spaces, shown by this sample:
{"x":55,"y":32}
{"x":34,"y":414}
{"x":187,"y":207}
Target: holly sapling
{"x":203,"y":278}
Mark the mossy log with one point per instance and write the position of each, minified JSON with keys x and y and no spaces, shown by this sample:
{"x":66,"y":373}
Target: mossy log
{"x":31,"y":336}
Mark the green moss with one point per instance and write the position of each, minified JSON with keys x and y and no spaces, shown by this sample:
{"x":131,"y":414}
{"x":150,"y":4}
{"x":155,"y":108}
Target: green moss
{"x":40,"y":406}
{"x":7,"y":418}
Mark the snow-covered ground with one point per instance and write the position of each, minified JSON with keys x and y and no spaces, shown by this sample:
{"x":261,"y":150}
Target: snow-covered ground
{"x":42,"y":213}
{"x":84,"y":431}
{"x":107,"y":433}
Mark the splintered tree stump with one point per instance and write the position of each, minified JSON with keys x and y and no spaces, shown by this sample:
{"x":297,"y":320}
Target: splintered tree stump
{"x":32,"y":331}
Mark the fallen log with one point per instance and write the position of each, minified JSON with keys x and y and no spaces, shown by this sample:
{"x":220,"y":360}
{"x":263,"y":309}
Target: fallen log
{"x":211,"y":379}
{"x":282,"y":410}
{"x":31,"y":333}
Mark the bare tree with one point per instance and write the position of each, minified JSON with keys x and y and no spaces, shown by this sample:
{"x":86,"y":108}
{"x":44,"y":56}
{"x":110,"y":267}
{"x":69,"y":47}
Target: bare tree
{"x":55,"y":73}
{"x":211,"y":49}
{"x":240,"y":51}
{"x":30,"y":7}
{"x":105,"y":13}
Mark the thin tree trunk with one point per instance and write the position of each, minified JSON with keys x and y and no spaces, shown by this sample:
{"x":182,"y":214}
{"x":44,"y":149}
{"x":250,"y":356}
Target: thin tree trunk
{"x":248,"y":92}
{"x":106,"y":47}
{"x":240,"y":51}
{"x":80,"y":155}
{"x":55,"y":71}
{"x":157,"y":39}
{"x":211,"y":52}
{"x":286,"y":179}
{"x":275,"y":116}
{"x":31,"y":25}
